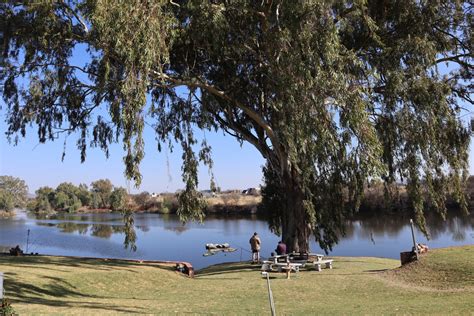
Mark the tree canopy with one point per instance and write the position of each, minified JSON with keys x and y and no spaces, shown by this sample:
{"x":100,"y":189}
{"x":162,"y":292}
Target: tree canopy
{"x":13,"y":193}
{"x":331,"y":93}
{"x":118,"y":199}
{"x":70,"y":198}
{"x":102,"y":189}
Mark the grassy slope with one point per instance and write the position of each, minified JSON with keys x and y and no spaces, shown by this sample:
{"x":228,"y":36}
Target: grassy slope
{"x":355,"y":286}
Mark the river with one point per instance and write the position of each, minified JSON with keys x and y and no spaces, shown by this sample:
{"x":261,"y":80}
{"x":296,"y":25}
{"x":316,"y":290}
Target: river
{"x":163,"y":237}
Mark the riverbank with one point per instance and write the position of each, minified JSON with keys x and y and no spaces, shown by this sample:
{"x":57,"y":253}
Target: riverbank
{"x":222,"y":204}
{"x":441,"y":283}
{"x":7,"y":214}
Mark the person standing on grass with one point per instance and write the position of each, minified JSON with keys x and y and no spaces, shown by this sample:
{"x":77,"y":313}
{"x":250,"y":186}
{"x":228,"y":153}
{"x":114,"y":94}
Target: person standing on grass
{"x":255,"y":243}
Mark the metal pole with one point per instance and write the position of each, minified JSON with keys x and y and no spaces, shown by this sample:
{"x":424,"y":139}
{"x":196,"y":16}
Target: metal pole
{"x":27,"y":241}
{"x":270,"y":294}
{"x":413,"y":236}
{"x":1,"y":285}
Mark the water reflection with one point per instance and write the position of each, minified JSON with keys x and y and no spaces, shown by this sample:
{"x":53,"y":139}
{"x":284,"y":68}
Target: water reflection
{"x":96,"y":230}
{"x":105,"y":231}
{"x":363,"y":227}
{"x":177,"y":229}
{"x":456,"y":226}
{"x":69,"y":227}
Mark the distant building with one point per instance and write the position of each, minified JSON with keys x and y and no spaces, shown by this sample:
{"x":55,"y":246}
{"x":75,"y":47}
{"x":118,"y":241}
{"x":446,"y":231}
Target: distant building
{"x":156,"y":197}
{"x":235,"y":191}
{"x":251,"y":191}
{"x":208,"y":193}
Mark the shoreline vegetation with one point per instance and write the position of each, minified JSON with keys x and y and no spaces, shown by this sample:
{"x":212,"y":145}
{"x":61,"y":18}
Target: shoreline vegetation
{"x":103,"y":197}
{"x":233,"y":203}
{"x":442,"y":280}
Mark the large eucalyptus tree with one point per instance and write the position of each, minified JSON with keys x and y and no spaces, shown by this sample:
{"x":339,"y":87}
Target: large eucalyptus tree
{"x":331,"y":93}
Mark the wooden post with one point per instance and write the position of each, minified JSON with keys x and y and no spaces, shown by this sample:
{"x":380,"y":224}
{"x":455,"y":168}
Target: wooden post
{"x":27,"y":240}
{"x":288,"y":271}
{"x":413,"y":236}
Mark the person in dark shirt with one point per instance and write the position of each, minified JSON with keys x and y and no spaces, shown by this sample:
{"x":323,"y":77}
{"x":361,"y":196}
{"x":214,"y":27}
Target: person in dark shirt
{"x":281,"y":248}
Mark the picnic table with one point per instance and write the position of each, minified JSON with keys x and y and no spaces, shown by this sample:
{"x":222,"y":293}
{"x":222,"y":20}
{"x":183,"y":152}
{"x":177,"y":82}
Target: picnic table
{"x":293,"y":262}
{"x":304,"y":257}
{"x":286,"y":267}
{"x":328,"y":263}
{"x":317,"y":255}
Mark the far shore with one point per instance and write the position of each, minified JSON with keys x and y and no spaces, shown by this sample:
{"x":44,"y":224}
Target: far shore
{"x":6,"y":214}
{"x":235,"y":202}
{"x":248,"y":206}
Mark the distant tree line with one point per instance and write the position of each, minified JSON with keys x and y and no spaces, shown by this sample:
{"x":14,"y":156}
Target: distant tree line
{"x":69,"y":198}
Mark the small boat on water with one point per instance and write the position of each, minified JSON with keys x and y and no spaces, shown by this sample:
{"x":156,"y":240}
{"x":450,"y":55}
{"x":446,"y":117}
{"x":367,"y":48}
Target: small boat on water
{"x":217,"y":246}
{"x":212,"y":249}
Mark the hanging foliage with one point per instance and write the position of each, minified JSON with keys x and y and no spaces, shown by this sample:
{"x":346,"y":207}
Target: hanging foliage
{"x":331,"y":93}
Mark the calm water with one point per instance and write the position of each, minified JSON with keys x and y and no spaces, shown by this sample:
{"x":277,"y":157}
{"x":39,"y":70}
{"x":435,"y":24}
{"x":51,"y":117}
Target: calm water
{"x":163,"y":237}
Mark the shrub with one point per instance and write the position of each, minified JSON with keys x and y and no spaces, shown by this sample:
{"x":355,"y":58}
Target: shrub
{"x":118,"y":199}
{"x":169,"y":204}
{"x":6,"y":309}
{"x":6,"y":201}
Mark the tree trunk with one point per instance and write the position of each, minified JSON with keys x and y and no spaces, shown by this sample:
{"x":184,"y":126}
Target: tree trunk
{"x":295,"y":229}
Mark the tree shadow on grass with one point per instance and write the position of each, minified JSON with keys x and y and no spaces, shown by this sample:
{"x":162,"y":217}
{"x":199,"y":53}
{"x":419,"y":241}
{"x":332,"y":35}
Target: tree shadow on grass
{"x":376,"y":271}
{"x":224,"y":268}
{"x":213,"y":278}
{"x":49,"y":295}
{"x":30,"y":266}
{"x":56,"y":292}
{"x":322,"y":274}
{"x":80,"y":305}
{"x":56,"y":288}
{"x":75,"y":262}
{"x":228,"y":268}
{"x":360,"y":261}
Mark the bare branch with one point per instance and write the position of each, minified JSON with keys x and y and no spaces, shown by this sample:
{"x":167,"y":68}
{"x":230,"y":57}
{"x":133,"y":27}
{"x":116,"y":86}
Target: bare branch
{"x":222,"y":95}
{"x":77,"y":16}
{"x":456,"y":59}
{"x":175,"y":4}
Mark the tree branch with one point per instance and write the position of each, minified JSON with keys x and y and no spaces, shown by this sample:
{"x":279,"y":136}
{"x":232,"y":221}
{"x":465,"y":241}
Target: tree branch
{"x":222,"y":95}
{"x":456,"y":60}
{"x":74,"y":13}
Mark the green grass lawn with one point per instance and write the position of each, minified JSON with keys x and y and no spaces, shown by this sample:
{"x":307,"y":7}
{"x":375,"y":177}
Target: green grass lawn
{"x":441,"y":283}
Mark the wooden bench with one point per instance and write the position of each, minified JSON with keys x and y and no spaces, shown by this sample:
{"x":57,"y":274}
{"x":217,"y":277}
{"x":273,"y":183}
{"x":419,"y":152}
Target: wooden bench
{"x":327,"y":262}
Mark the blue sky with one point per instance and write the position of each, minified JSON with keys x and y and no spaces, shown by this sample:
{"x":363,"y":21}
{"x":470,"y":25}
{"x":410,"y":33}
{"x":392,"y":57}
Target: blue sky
{"x":235,"y":167}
